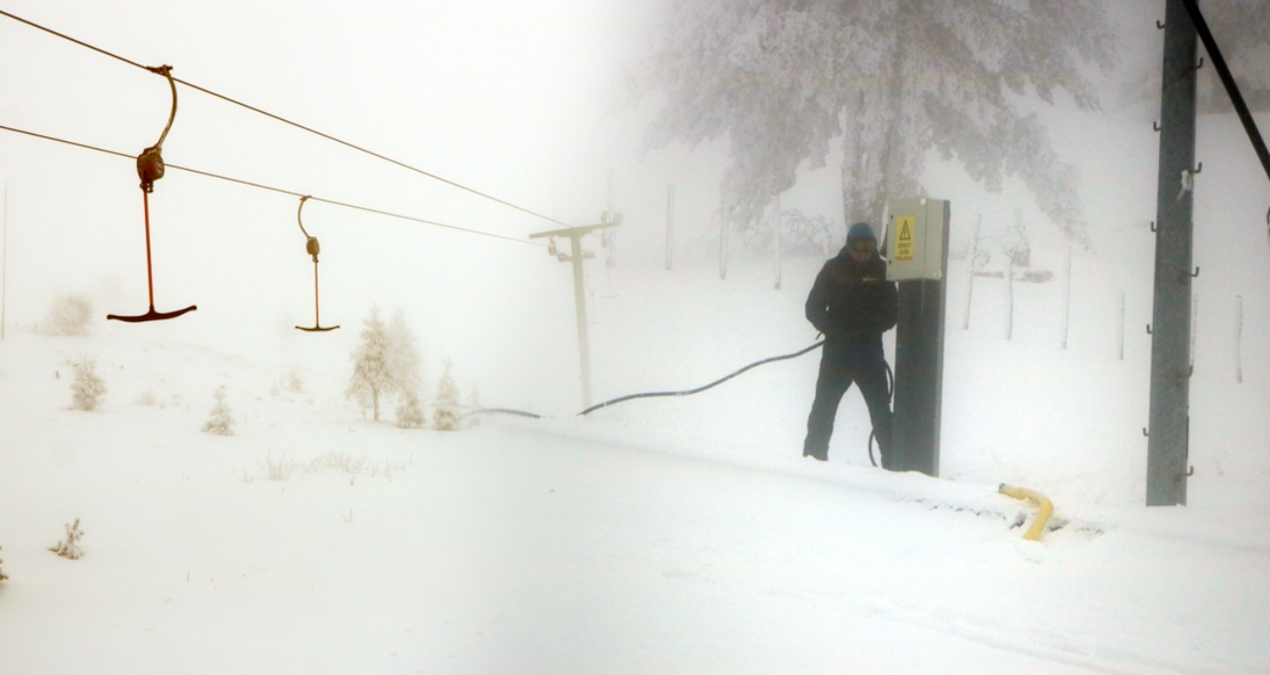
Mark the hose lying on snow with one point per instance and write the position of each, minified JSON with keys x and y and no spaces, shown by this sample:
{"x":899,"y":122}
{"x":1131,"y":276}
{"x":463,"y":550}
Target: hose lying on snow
{"x":522,"y":413}
{"x":701,"y":388}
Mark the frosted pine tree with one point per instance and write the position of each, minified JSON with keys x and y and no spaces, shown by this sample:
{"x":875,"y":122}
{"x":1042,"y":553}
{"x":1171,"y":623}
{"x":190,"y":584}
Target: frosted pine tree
{"x":445,"y":413}
{"x":404,"y":365}
{"x":372,"y":378}
{"x":404,"y":362}
{"x":221,"y":421}
{"x":888,"y":79}
{"x":87,"y":389}
{"x":410,"y":413}
{"x":68,"y":548}
{"x":474,"y":404}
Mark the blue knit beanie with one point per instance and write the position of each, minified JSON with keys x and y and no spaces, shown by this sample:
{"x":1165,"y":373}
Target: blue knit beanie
{"x":860,"y":231}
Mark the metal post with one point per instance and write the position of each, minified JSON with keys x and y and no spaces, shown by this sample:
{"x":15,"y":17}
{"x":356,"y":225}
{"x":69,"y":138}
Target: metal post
{"x":723,"y":243}
{"x":670,"y":224}
{"x":579,"y":301}
{"x":611,"y":259}
{"x":1170,"y":371}
{"x":919,"y":361}
{"x":1120,"y":328}
{"x":1239,"y":332}
{"x":4,"y":263}
{"x":776,"y":239}
{"x":576,"y":256}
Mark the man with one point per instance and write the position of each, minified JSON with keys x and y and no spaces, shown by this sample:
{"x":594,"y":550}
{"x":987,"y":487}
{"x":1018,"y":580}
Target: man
{"x":852,"y":303}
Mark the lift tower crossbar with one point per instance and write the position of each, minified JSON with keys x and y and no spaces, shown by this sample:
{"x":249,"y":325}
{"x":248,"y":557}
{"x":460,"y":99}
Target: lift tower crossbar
{"x":576,"y":256}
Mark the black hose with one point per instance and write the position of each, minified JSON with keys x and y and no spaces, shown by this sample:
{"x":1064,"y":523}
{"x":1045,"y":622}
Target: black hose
{"x":702,"y":388}
{"x":890,"y":393}
{"x":503,"y":411}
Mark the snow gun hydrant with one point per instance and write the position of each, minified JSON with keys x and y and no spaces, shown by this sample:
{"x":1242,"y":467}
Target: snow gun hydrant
{"x":1042,"y":516}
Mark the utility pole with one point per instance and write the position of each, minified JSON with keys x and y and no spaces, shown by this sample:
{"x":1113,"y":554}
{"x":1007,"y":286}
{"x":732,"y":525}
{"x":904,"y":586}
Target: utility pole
{"x":4,"y":262}
{"x":918,"y":260}
{"x":1167,"y":442}
{"x":776,"y":240}
{"x":670,"y":224}
{"x":576,"y":255}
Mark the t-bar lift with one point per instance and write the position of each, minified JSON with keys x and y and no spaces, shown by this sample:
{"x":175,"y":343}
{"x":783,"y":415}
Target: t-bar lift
{"x":576,"y":256}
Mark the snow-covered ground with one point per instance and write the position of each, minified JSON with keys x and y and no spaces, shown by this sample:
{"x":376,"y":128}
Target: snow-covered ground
{"x":681,"y":535}
{"x":668,"y":535}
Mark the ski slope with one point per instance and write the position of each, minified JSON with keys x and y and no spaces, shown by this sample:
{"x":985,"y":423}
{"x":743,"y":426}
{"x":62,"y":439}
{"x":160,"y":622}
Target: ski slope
{"x":681,"y":535}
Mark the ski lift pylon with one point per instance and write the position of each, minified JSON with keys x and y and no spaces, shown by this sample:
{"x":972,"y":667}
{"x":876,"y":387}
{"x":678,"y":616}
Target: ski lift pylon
{"x":150,"y":169}
{"x":312,"y":247}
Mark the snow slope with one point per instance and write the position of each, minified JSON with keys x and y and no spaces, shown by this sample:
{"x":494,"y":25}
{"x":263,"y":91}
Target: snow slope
{"x":680,"y":535}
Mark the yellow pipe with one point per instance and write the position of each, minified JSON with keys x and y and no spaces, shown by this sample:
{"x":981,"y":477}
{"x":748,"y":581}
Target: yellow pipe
{"x":1042,"y":517}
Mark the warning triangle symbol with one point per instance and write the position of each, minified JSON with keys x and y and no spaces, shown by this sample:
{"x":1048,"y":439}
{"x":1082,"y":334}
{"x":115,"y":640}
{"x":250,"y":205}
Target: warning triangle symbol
{"x":906,"y":232}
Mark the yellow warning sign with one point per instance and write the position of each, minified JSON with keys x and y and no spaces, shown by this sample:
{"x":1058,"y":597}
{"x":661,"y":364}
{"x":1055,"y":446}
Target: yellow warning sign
{"x":904,"y":241}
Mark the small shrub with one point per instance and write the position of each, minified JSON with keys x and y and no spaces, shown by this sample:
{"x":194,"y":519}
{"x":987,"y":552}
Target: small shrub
{"x":87,"y":389}
{"x":410,"y":414}
{"x":148,"y":398}
{"x":70,"y":315}
{"x":68,"y":549}
{"x":3,"y":576}
{"x":473,"y":404}
{"x":292,"y":382}
{"x":445,"y":415}
{"x":281,"y":468}
{"x":221,"y":421}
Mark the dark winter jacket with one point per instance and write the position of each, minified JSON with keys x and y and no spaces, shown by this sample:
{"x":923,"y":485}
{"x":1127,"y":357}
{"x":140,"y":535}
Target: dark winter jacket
{"x":852,"y":303}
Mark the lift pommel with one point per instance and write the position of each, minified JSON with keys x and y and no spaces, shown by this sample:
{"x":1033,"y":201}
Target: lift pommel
{"x":312,"y":247}
{"x":149,"y":169}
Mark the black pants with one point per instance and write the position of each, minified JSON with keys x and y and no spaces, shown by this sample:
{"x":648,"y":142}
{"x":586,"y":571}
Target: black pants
{"x":836,"y":376}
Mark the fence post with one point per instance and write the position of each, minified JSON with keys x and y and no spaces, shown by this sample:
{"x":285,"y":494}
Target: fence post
{"x":1239,"y":330}
{"x":1120,"y":328}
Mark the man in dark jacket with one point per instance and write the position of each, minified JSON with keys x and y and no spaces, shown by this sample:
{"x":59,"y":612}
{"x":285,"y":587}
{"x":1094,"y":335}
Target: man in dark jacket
{"x":852,"y":303}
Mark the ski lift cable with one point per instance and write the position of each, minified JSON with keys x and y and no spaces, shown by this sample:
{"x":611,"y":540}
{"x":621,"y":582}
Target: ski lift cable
{"x":284,"y":120}
{"x":276,"y":189}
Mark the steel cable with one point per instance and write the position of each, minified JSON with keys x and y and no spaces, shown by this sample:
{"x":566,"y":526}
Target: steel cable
{"x":293,"y":193}
{"x":284,"y":120}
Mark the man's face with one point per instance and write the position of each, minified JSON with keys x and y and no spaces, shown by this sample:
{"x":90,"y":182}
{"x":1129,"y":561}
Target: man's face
{"x":862,"y":249}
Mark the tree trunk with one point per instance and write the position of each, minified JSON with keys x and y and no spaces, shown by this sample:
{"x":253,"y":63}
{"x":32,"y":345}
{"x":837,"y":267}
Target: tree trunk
{"x":374,"y":397}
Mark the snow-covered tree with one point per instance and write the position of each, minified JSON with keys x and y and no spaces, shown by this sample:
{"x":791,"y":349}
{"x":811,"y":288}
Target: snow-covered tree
{"x":87,"y":389}
{"x":68,"y":548}
{"x":371,"y":375}
{"x":386,"y":363}
{"x":404,"y":361}
{"x":1015,"y":242}
{"x":70,"y":314}
{"x":1242,"y":31}
{"x":445,"y":413}
{"x":410,"y":413}
{"x":888,"y":79}
{"x":221,"y":421}
{"x":473,"y":404}
{"x":3,"y":576}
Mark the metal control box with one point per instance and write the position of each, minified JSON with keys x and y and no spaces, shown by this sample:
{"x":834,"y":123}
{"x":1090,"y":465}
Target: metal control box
{"x":917,"y":239}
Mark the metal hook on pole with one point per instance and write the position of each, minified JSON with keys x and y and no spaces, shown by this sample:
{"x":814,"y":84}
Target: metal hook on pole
{"x":311,"y":243}
{"x":311,"y":247}
{"x":150,"y":161}
{"x":150,"y":169}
